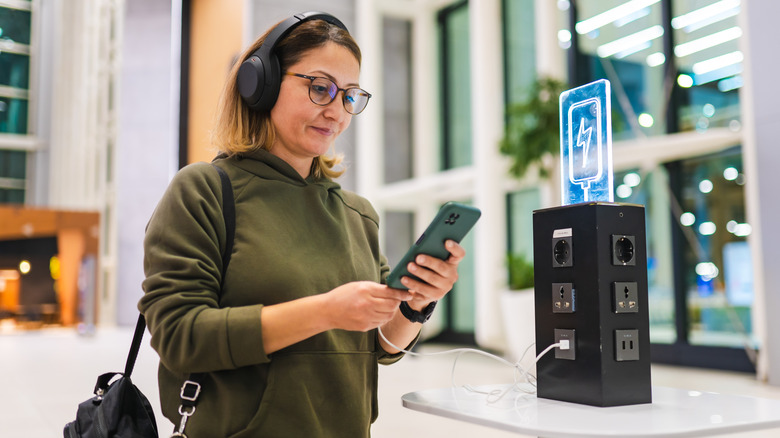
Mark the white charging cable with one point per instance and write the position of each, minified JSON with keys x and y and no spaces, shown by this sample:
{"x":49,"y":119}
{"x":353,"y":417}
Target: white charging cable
{"x":493,"y":396}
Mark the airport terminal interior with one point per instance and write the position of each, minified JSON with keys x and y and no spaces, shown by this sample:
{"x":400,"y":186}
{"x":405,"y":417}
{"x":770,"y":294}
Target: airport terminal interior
{"x":103,"y":101}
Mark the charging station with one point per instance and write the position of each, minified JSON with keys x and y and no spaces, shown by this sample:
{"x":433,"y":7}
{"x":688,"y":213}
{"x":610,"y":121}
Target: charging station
{"x":590,"y":275}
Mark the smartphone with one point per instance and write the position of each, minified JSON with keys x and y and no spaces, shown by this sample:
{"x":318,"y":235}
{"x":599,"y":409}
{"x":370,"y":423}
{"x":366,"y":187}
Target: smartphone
{"x":452,"y":222}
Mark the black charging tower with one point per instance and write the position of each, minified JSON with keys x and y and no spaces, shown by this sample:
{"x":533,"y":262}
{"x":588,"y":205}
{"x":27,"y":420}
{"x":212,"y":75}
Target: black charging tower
{"x":590,"y":275}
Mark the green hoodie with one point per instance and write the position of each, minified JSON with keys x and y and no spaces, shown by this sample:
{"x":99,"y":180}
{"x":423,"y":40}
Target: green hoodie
{"x":294,"y":238}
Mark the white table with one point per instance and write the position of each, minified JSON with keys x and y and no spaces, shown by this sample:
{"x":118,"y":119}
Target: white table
{"x":673,"y":413}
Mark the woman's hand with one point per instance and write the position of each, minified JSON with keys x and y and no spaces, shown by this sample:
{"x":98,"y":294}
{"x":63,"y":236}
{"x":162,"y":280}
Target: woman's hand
{"x":363,"y":305}
{"x":438,"y":276}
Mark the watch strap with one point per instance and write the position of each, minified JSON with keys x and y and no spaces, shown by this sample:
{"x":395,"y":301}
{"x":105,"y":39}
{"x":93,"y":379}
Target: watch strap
{"x":415,"y":316}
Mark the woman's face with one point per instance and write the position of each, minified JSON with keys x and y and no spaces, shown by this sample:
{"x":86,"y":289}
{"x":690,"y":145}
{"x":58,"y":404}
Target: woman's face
{"x":305,"y":130}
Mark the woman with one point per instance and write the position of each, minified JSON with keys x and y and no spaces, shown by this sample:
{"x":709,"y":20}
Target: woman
{"x":287,"y":340}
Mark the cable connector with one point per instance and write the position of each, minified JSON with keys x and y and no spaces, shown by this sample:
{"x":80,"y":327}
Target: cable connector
{"x":564,"y":344}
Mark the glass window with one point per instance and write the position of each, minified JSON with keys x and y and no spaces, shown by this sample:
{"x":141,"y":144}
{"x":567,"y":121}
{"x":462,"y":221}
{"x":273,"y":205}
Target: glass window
{"x":706,"y":37}
{"x":398,"y":228}
{"x":668,"y":74}
{"x":15,"y":38}
{"x":456,"y":86}
{"x":717,"y":269}
{"x":397,"y":53}
{"x":460,"y":301}
{"x":13,"y":115}
{"x":650,"y":189}
{"x":14,"y":26}
{"x":520,"y":207}
{"x":13,"y":171}
{"x":14,"y":69}
{"x":622,"y":42}
{"x":520,"y":48}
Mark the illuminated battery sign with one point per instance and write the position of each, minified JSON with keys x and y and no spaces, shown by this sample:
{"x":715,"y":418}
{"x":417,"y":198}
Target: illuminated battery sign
{"x":586,"y":144}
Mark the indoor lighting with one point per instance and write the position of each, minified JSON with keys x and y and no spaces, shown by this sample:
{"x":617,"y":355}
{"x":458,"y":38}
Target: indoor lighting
{"x":707,"y":228}
{"x":721,"y":73}
{"x":743,"y":230}
{"x":623,"y":191}
{"x":54,"y":267}
{"x":24,"y":267}
{"x":630,"y":41}
{"x":632,"y":179}
{"x":685,"y":81}
{"x":655,"y":59}
{"x":687,"y":219}
{"x":731,"y":83}
{"x":707,"y":270}
{"x":708,"y":41}
{"x":564,"y":35}
{"x":705,"y":186}
{"x":707,"y":15}
{"x":630,"y":18}
{"x":730,"y":173}
{"x":645,"y":120}
{"x":717,"y":62}
{"x":611,"y":15}
{"x":633,"y":50}
{"x":708,"y":110}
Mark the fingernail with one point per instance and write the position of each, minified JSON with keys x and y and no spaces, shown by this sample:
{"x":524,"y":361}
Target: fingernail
{"x":421,"y":259}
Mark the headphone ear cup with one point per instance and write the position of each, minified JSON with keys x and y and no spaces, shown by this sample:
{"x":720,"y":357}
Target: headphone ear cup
{"x":259,"y":81}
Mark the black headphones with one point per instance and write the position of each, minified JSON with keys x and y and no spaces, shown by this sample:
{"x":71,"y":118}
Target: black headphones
{"x":260,"y":76}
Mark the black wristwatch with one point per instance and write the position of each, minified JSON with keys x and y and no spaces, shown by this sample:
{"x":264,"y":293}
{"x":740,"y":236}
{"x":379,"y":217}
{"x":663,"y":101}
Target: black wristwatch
{"x":415,"y":316}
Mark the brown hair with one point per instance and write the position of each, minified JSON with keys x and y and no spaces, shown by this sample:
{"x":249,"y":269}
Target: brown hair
{"x":239,"y":129}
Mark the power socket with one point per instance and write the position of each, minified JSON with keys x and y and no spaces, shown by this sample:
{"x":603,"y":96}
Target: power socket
{"x":562,"y":248}
{"x":626,"y":345}
{"x":623,"y":250}
{"x":625,"y":297}
{"x":563,"y":298}
{"x":565,"y":334}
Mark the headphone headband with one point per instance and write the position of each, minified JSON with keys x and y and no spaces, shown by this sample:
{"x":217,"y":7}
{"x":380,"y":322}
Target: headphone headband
{"x":260,"y":76}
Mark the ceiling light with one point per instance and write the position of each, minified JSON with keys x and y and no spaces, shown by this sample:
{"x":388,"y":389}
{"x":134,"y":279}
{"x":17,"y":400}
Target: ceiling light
{"x":611,"y":15}
{"x":731,"y":83}
{"x":708,"y":41}
{"x":655,"y":59}
{"x":705,"y":13}
{"x":630,"y":41}
{"x":717,"y":62}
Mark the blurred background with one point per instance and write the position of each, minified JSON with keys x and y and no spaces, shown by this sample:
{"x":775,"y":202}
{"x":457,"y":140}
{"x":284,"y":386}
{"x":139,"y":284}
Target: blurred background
{"x":102,"y":101}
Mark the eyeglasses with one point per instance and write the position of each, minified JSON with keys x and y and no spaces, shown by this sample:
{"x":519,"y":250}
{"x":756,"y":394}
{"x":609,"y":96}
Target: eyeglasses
{"x":322,"y":91}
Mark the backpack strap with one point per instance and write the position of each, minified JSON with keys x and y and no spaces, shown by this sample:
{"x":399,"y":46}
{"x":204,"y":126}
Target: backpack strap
{"x":190,"y":389}
{"x":229,"y":213}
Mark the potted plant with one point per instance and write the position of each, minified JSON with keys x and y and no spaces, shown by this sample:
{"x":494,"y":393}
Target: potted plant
{"x":517,"y":307}
{"x":532,"y":133}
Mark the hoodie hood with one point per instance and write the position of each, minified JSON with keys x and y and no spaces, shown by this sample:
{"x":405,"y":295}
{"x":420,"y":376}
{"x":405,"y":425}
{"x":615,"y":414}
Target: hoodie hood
{"x":266,"y":165}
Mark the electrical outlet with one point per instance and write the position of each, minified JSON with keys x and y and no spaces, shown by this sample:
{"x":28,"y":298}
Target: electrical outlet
{"x":626,"y":345}
{"x":625,"y":296}
{"x":623,"y":250}
{"x":565,"y":334}
{"x":563,"y":298}
{"x":562,"y":248}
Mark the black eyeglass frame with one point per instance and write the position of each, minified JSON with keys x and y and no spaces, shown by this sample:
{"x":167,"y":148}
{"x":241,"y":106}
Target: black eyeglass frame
{"x":333,"y":97}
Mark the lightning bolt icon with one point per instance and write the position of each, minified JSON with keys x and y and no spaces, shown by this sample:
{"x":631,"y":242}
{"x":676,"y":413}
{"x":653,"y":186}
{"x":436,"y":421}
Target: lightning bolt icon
{"x":586,"y":143}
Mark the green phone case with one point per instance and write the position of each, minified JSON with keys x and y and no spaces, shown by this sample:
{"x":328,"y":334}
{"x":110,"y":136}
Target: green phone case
{"x":452,"y":222}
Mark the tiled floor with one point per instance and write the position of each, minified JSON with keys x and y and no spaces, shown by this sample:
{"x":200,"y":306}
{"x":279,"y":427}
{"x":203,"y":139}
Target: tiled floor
{"x":45,"y":373}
